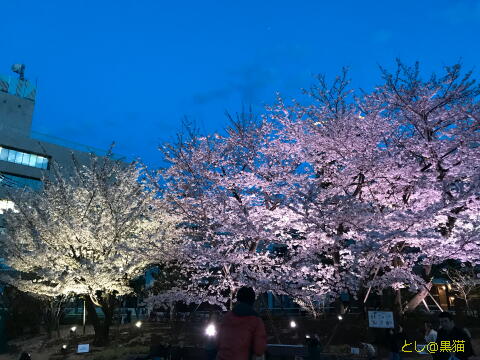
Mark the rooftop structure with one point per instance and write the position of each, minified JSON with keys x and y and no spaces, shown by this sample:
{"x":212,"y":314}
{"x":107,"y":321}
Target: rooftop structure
{"x":25,"y":155}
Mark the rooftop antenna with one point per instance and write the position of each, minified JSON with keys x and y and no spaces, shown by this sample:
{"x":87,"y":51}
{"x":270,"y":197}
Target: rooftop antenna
{"x":20,"y":70}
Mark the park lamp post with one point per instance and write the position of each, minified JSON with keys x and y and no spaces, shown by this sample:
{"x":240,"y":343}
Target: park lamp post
{"x":293,"y":326}
{"x":138,"y":327}
{"x":210,"y":345}
{"x":73,"y":330}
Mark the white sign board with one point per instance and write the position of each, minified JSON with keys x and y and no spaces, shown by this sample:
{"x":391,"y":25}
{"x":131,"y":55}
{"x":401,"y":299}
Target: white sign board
{"x":355,"y":351}
{"x":380,"y":319}
{"x":83,"y":348}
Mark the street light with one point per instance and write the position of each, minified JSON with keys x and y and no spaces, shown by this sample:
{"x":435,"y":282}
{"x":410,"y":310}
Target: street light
{"x":210,"y":330}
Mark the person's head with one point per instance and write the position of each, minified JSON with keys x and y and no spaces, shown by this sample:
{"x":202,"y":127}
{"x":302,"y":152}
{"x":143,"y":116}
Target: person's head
{"x":428,"y":325}
{"x":446,"y":321}
{"x":246,"y":295}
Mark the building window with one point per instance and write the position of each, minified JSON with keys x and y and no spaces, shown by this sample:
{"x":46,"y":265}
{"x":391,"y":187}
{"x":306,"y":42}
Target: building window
{"x":23,"y":158}
{"x":19,"y":181}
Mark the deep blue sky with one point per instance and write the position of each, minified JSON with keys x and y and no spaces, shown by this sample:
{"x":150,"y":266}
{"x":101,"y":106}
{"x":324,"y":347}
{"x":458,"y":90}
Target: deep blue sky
{"x":128,"y":71}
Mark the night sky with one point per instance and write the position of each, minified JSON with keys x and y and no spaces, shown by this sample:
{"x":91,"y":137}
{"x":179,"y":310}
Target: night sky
{"x":129,"y":71}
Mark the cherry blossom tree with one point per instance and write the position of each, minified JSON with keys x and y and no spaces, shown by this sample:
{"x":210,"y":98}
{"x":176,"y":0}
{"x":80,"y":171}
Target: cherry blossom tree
{"x":425,"y":184}
{"x":54,"y":299}
{"x":355,"y":191}
{"x":464,"y":281}
{"x":88,"y":233}
{"x":410,"y":157}
{"x":223,"y":228}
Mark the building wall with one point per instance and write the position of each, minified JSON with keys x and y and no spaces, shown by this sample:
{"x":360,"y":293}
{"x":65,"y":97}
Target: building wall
{"x":15,"y":114}
{"x":59,"y":154}
{"x":17,"y":103}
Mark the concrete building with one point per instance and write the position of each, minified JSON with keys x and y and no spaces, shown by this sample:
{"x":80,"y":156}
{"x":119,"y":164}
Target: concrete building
{"x":26,"y":156}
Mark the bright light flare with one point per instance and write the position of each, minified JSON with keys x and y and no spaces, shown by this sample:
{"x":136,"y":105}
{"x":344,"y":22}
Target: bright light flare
{"x":7,"y":205}
{"x":210,"y":330}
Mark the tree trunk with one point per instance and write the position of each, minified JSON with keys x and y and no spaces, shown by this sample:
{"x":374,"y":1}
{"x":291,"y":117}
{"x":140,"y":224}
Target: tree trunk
{"x":340,"y":306}
{"x":101,"y":328}
{"x":53,"y":315}
{"x":172,"y":311}
{"x":397,"y":306}
{"x":231,"y":291}
{"x":467,"y":306}
{"x":48,"y":321}
{"x":57,"y":325}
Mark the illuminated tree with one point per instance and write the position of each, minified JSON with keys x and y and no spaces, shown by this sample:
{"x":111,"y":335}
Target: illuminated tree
{"x":88,"y":234}
{"x":356,"y":191}
{"x":464,"y":281}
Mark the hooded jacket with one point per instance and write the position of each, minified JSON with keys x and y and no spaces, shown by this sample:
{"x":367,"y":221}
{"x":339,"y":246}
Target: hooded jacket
{"x":241,"y":334}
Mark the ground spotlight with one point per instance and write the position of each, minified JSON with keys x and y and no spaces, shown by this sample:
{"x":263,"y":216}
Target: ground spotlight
{"x":73,"y":329}
{"x":210,"y":330}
